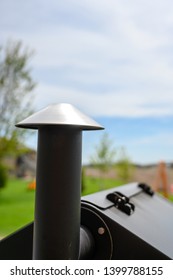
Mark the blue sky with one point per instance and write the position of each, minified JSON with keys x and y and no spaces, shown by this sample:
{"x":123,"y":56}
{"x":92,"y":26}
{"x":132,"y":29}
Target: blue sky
{"x":112,"y":59}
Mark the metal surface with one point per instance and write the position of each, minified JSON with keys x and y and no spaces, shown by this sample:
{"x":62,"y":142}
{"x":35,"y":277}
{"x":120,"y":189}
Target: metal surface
{"x":58,"y":180}
{"x":60,"y":114}
{"x":18,"y":245}
{"x":147,"y":233}
{"x":87,"y":244}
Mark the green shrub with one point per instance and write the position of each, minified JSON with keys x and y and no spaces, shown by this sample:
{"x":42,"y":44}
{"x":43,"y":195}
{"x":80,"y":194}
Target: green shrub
{"x":3,"y":176}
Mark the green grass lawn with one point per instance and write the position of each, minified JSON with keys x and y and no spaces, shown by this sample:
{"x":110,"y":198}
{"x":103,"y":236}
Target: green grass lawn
{"x":16,"y":206}
{"x":171,"y":198}
{"x":92,"y":184}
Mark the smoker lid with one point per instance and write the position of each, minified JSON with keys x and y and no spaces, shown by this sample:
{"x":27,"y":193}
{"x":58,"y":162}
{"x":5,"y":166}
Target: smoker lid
{"x":152,"y":220}
{"x":63,"y":114}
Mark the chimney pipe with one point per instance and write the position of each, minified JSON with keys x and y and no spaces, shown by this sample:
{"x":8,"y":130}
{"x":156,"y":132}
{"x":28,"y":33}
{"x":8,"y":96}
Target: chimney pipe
{"x":58,"y":180}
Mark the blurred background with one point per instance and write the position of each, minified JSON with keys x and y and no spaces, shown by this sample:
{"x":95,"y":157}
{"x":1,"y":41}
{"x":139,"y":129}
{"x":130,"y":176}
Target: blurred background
{"x":111,"y":59}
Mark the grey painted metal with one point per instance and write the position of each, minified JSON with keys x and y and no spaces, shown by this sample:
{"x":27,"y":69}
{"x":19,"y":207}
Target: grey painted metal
{"x":58,"y":180}
{"x":152,"y":221}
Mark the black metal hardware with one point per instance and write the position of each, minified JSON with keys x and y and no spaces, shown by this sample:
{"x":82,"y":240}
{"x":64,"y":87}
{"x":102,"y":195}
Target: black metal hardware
{"x":146,"y":188}
{"x":121,"y":202}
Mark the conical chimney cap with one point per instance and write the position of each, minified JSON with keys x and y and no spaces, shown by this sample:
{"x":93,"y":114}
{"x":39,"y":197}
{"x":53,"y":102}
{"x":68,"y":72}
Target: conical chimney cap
{"x":62,"y":114}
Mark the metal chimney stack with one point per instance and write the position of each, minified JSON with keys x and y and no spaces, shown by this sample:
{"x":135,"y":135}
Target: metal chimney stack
{"x":58,"y":180}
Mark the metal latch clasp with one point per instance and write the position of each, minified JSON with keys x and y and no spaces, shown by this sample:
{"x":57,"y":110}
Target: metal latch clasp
{"x":146,"y":188}
{"x":121,"y":202}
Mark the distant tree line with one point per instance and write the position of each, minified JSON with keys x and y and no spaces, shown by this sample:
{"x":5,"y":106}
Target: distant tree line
{"x":106,"y":156}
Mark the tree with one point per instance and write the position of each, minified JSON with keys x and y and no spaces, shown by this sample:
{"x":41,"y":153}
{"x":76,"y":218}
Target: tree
{"x":124,"y":166}
{"x":104,"y":152}
{"x":16,"y":86}
{"x":104,"y":156}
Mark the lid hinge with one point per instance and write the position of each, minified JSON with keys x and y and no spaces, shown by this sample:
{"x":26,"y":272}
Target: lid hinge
{"x":121,"y":202}
{"x":146,"y":188}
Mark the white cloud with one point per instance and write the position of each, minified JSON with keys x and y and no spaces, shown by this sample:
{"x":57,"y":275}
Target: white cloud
{"x":120,"y":46}
{"x":131,"y":104}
